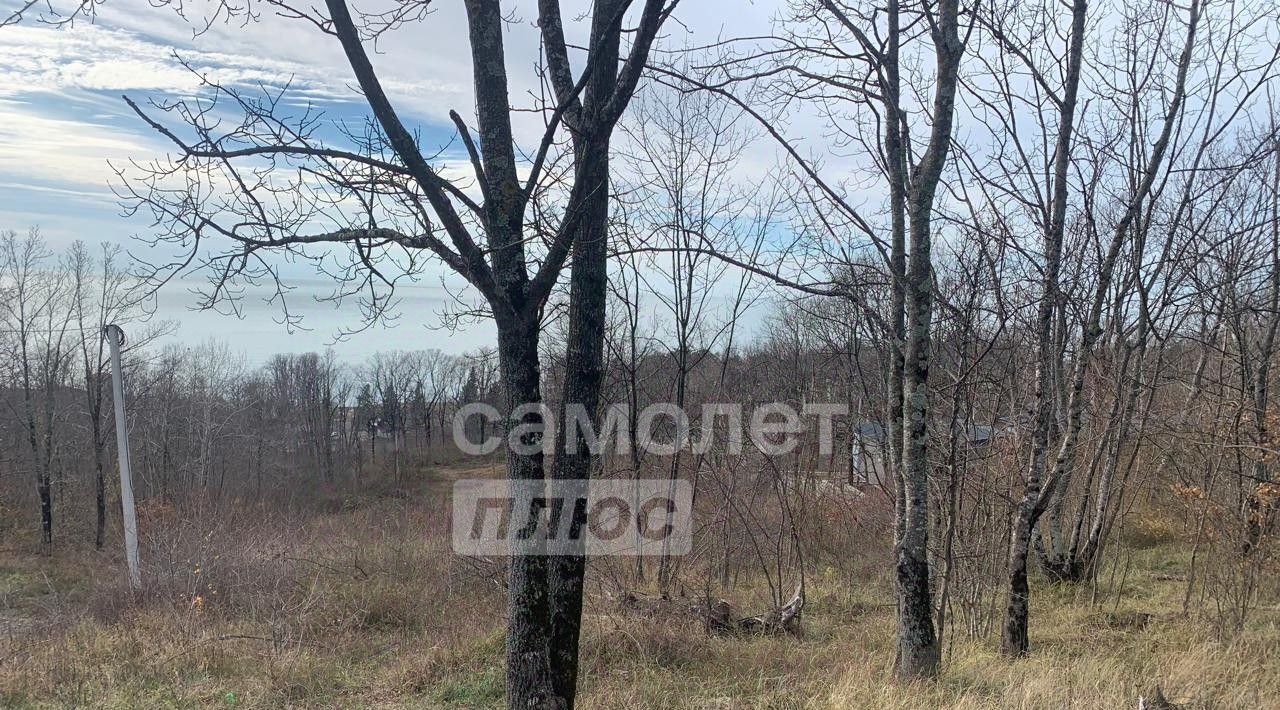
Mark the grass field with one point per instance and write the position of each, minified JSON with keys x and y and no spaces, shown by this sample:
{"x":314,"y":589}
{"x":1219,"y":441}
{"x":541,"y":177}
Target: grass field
{"x":362,"y":606}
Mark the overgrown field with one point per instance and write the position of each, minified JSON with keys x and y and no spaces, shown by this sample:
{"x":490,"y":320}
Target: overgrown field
{"x":359,"y":604}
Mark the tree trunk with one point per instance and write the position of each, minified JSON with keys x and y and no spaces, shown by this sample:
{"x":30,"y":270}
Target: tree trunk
{"x":529,"y":683}
{"x":45,"y":491}
{"x":918,"y":651}
{"x":1092,"y":330}
{"x":584,"y":373}
{"x":100,"y":486}
{"x":1015,"y":641}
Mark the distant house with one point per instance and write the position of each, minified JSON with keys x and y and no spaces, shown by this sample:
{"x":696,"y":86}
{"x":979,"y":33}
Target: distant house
{"x":869,"y":449}
{"x":867,"y":455}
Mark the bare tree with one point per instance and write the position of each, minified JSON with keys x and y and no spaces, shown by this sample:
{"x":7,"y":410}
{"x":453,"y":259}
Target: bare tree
{"x":869,"y":44}
{"x":847,"y":58}
{"x":1050,"y":210}
{"x":404,"y":205}
{"x":34,"y":313}
{"x":103,"y":293}
{"x":683,"y":148}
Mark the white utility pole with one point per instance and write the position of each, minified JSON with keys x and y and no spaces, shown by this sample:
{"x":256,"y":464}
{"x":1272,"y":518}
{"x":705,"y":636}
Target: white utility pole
{"x":115,"y":337}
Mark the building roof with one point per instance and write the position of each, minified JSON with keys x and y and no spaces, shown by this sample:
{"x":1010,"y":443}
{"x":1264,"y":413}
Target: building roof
{"x":870,"y":430}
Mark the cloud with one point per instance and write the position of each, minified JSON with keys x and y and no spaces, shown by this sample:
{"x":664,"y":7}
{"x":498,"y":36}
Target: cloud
{"x":97,"y":58}
{"x":108,"y":59}
{"x":41,"y":151}
{"x":61,"y":118}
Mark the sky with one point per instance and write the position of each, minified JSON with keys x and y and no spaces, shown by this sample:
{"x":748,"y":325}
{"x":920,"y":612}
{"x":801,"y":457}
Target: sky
{"x":64,"y":125}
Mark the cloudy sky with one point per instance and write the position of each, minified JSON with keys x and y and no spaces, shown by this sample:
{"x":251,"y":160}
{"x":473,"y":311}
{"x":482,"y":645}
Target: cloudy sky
{"x":63,"y":125}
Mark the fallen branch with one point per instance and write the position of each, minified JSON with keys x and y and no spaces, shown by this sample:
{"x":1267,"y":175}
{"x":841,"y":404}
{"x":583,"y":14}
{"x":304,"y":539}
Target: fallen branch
{"x":721,"y":618}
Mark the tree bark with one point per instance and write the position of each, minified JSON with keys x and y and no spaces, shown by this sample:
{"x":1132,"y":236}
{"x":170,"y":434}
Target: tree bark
{"x":528,"y":680}
{"x":588,"y":293}
{"x":584,"y":373}
{"x":918,"y":651}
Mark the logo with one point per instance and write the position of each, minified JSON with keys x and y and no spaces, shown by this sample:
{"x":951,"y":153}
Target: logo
{"x":602,"y":517}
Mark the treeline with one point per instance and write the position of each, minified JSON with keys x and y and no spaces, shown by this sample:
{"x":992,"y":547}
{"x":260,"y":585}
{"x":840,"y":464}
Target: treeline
{"x":201,"y":420}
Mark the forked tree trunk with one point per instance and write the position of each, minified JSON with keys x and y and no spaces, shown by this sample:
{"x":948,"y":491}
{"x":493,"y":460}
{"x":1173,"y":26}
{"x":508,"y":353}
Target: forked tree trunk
{"x":1015,"y":632}
{"x":1014,"y":640}
{"x":605,"y":95}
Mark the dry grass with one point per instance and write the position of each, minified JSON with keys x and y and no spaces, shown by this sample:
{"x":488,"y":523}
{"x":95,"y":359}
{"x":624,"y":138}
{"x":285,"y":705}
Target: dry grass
{"x":363,"y":607}
{"x":1086,"y":656}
